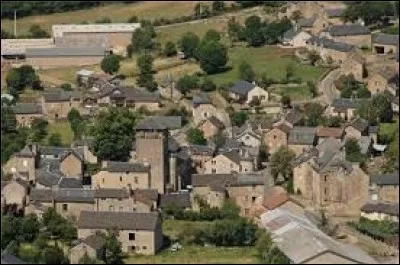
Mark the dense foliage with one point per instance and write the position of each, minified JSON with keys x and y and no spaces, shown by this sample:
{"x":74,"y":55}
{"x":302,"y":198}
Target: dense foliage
{"x":187,"y":83}
{"x":353,"y":151}
{"x":378,"y":109}
{"x":281,"y":163}
{"x":196,"y":136}
{"x":313,"y":114}
{"x":371,"y":12}
{"x":110,"y":64}
{"x":239,"y":118}
{"x":77,"y":123}
{"x":146,"y":77}
{"x":18,"y":79}
{"x":189,"y":44}
{"x":246,"y":72}
{"x":376,"y":229}
{"x":213,"y":57}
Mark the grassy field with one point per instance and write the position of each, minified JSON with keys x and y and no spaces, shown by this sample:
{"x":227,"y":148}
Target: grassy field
{"x":389,"y":129}
{"x":118,"y":12}
{"x":195,"y":254}
{"x":64,"y":129}
{"x":270,"y":60}
{"x":295,"y":93}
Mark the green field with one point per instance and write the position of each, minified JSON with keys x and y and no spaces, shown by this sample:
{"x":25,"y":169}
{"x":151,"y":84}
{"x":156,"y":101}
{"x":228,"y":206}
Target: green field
{"x":270,"y":60}
{"x":64,"y":129}
{"x":295,"y":93}
{"x":191,"y":254}
{"x":118,"y":12}
{"x":389,"y":129}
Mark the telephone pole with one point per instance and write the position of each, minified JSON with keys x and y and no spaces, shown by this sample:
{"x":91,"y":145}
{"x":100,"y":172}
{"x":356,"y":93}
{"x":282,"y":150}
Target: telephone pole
{"x":15,"y":22}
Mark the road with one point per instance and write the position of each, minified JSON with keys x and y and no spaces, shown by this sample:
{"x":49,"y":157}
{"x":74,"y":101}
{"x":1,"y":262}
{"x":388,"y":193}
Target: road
{"x":327,"y":88}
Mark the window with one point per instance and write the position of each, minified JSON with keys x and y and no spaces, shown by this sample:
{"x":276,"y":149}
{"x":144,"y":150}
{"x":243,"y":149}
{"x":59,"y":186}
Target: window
{"x":262,"y":97}
{"x":120,"y":178}
{"x":120,"y":199}
{"x":274,"y":136}
{"x":133,"y":248}
{"x":247,"y":137}
{"x":131,"y":236}
{"x":144,"y":247}
{"x":65,"y":207}
{"x":325,"y":177}
{"x":25,"y":163}
{"x":136,"y":180}
{"x":213,"y":170}
{"x":111,"y":208}
{"x":127,"y":172}
{"x":103,"y":180}
{"x":253,"y":199}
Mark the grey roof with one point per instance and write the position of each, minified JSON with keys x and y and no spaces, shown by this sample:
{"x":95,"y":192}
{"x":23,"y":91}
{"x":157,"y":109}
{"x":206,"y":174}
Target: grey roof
{"x":95,"y":241}
{"x":390,"y":74}
{"x":200,"y":150}
{"x":386,"y":179}
{"x":348,"y":30}
{"x":386,"y":39}
{"x":305,"y":156}
{"x":58,"y":96}
{"x":201,"y":98}
{"x":26,"y":151}
{"x":114,"y":166}
{"x":41,"y":195}
{"x":118,"y":220}
{"x":160,"y":123}
{"x":381,"y":207}
{"x":134,"y":95}
{"x":231,"y":143}
{"x":27,"y":108}
{"x":145,"y":195}
{"x":334,"y":12}
{"x":241,"y":87}
{"x":53,"y":151}
{"x":10,"y":259}
{"x":216,"y":122}
{"x":111,"y":193}
{"x":360,"y":125}
{"x":70,"y":183}
{"x":302,"y":135}
{"x":219,"y":182}
{"x":74,"y":195}
{"x":290,"y":34}
{"x":345,"y":103}
{"x":306,"y":22}
{"x":47,"y":178}
{"x":294,"y":117}
{"x":330,"y":44}
{"x":181,"y":200}
{"x":65,"y":51}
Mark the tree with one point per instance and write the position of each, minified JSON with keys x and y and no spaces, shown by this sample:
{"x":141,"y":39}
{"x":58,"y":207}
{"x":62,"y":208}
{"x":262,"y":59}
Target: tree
{"x":353,"y":151}
{"x":313,"y":113}
{"x":230,"y":210}
{"x":286,"y":101}
{"x":201,"y":10}
{"x":146,"y":78}
{"x":218,"y":6}
{"x":19,"y":78}
{"x":113,"y":134}
{"x":170,"y":49}
{"x":54,"y":255}
{"x":239,"y":118}
{"x":235,"y":31}
{"x":296,"y":15}
{"x":313,"y":57}
{"x":54,"y":139}
{"x":211,"y":35}
{"x":246,"y":72}
{"x":370,"y":12}
{"x":378,"y":109}
{"x":76,"y":121}
{"x":312,"y":88}
{"x":110,"y":64}
{"x":208,"y":85}
{"x":267,"y":252}
{"x":10,"y":229}
{"x":196,"y":136}
{"x":253,"y":31}
{"x":66,"y":87}
{"x":8,"y":120}
{"x":333,"y":121}
{"x":88,"y":260}
{"x":213,"y":57}
{"x":273,"y":32}
{"x":189,"y":44}
{"x":142,"y":40}
{"x":129,"y":50}
{"x":187,"y":83}
{"x":39,"y":129}
{"x":281,"y":163}
{"x":219,"y":139}
{"x":114,"y":253}
{"x":37,"y":32}
{"x":29,"y":228}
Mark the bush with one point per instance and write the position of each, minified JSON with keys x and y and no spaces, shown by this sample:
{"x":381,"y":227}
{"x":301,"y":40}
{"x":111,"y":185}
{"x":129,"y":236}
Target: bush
{"x":379,"y":230}
{"x":66,"y":87}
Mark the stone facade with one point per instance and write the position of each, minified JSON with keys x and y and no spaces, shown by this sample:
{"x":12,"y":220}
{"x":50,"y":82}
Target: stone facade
{"x":78,"y":252}
{"x":274,"y":139}
{"x":388,"y":193}
{"x":118,"y":180}
{"x":14,"y":194}
{"x":203,"y":112}
{"x":246,"y":197}
{"x":72,"y":166}
{"x":222,"y":164}
{"x":298,"y":149}
{"x":72,"y":209}
{"x":378,"y":84}
{"x":209,"y":129}
{"x":25,"y":120}
{"x":18,"y":164}
{"x":59,"y":109}
{"x":257,"y":93}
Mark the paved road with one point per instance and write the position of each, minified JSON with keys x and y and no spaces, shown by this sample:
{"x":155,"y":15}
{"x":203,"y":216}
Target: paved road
{"x":327,"y":88}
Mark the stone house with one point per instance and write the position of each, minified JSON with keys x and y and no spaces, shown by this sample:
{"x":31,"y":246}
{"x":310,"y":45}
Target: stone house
{"x":72,"y":164}
{"x":180,"y":200}
{"x":324,"y":133}
{"x":387,"y":79}
{"x":203,"y":111}
{"x":23,"y":162}
{"x":118,"y":175}
{"x":302,"y":139}
{"x":93,"y":246}
{"x":145,"y":201}
{"x":295,"y":38}
{"x":139,"y":233}
{"x":330,"y":50}
{"x":334,"y":15}
{"x":15,"y":193}
{"x":245,"y":189}
{"x":230,"y":162}
{"x":385,"y":43}
{"x":247,"y":135}
{"x":276,"y":137}
{"x":355,"y":65}
{"x":25,"y":113}
{"x":344,"y":108}
{"x":323,"y":176}
{"x":313,"y":25}
{"x":57,"y":104}
{"x":380,"y":211}
{"x":352,"y":34}
{"x":246,"y":92}
{"x":199,"y":154}
{"x":211,"y":127}
{"x":85,"y":147}
{"x":385,"y":187}
{"x":356,"y":129}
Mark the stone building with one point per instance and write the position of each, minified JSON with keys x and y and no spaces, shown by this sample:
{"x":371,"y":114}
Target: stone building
{"x":14,"y":193}
{"x":57,"y":104}
{"x":385,"y":187}
{"x":330,"y":50}
{"x":25,"y":113}
{"x":248,"y":135}
{"x":139,"y":233}
{"x":324,"y":133}
{"x":352,"y":34}
{"x":313,"y":25}
{"x":245,"y":92}
{"x":355,"y":65}
{"x":24,"y":162}
{"x":302,"y":139}
{"x":385,"y":43}
{"x":344,"y":108}
{"x":334,"y":15}
{"x":276,"y":137}
{"x":295,"y":38}
{"x":232,"y":161}
{"x":199,"y":155}
{"x":386,"y":79}
{"x":211,"y":127}
{"x":93,"y":246}
{"x":380,"y":211}
{"x":356,"y":129}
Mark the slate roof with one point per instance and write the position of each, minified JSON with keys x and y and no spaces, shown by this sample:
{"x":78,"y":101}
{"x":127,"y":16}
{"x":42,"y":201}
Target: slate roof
{"x":216,"y":122}
{"x":200,"y":150}
{"x":57,"y":152}
{"x":95,"y":241}
{"x":147,"y":196}
{"x":134,"y":95}
{"x":386,"y":39}
{"x":59,"y":96}
{"x":111,"y":193}
{"x":330,"y":44}
{"x":241,"y":87}
{"x":74,"y":195}
{"x":41,"y":195}
{"x":294,"y":117}
{"x":201,"y":98}
{"x":284,"y":128}
{"x":302,"y":135}
{"x":306,"y":22}
{"x":27,"y":108}
{"x":381,"y":207}
{"x":160,"y":123}
{"x":334,"y":12}
{"x":65,"y":51}
{"x":274,"y":197}
{"x":290,"y":34}
{"x":219,"y":182}
{"x":360,"y":125}
{"x":10,"y":259}
{"x":118,"y":220}
{"x":114,"y":166}
{"x":47,"y":178}
{"x":386,"y":179}
{"x":348,"y":30}
{"x":70,"y":183}
{"x":329,"y":132}
{"x":181,"y":200}
{"x":26,"y":152}
{"x":345,"y":103}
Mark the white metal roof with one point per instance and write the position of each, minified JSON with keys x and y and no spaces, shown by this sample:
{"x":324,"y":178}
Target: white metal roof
{"x":19,"y":46}
{"x":59,"y":30}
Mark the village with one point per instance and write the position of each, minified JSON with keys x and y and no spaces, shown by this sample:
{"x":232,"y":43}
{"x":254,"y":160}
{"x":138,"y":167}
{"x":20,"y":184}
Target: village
{"x":175,"y":162}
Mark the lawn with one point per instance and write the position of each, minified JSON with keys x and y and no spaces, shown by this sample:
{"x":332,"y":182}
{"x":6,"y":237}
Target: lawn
{"x":268,"y":60}
{"x":64,"y":129}
{"x":191,"y":254}
{"x":389,"y":129}
{"x":117,"y":12}
{"x":295,"y":93}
